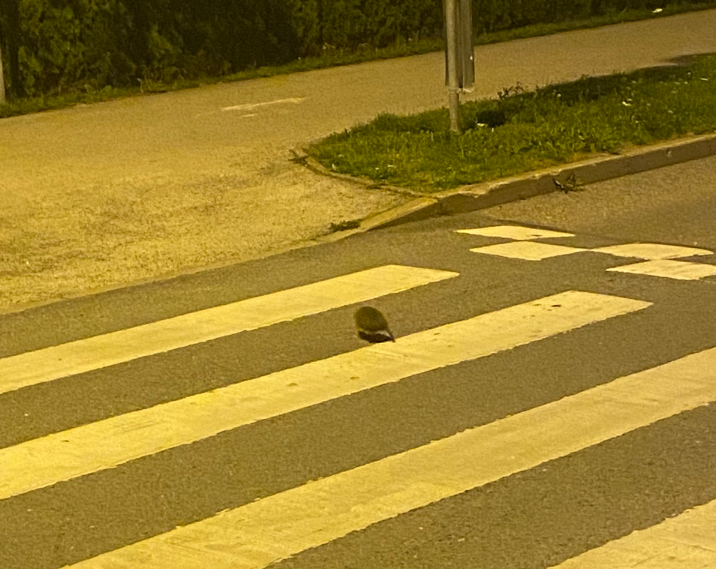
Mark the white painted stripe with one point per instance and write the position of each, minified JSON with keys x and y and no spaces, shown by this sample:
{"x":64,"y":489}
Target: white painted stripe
{"x":687,"y":541}
{"x":516,"y":232}
{"x":124,"y":345}
{"x":652,"y":251}
{"x":247,"y":106}
{"x":527,"y":250}
{"x":679,"y":270}
{"x":282,"y":525}
{"x":105,"y":444}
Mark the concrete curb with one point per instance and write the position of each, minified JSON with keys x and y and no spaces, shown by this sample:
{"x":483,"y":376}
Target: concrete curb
{"x":488,"y":194}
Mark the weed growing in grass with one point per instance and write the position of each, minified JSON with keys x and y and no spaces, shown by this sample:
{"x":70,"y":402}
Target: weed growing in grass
{"x":526,"y":130}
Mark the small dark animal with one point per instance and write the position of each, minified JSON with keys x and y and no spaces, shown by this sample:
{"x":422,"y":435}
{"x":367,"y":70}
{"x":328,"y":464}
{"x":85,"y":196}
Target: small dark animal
{"x":372,"y":325}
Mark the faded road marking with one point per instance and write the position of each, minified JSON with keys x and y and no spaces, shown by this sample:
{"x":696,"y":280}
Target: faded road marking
{"x":652,"y":251}
{"x":247,"y":106}
{"x":527,"y":250}
{"x":516,"y":232}
{"x":666,"y":268}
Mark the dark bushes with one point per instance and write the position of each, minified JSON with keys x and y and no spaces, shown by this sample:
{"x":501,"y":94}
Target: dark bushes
{"x":75,"y":45}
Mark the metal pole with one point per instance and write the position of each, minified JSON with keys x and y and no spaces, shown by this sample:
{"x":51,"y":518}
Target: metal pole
{"x":452,"y":73}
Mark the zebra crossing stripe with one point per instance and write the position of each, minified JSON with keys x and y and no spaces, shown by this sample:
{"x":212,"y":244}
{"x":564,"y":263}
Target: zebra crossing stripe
{"x":148,"y":339}
{"x":687,"y":541}
{"x":104,"y":444}
{"x":274,"y":528}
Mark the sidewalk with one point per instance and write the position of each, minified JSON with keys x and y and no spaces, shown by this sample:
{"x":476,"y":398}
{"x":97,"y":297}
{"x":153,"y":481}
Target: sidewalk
{"x":102,"y":196}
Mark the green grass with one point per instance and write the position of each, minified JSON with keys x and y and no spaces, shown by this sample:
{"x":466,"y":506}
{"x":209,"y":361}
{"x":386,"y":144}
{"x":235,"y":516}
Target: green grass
{"x":332,"y":58}
{"x":522,"y":131}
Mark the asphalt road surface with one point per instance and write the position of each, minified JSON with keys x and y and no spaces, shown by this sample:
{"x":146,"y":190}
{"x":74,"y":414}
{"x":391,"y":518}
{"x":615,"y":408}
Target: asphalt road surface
{"x":547,"y":401}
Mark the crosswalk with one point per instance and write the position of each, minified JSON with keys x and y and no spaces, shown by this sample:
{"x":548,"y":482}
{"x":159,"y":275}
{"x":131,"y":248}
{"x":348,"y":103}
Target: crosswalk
{"x":196,"y":327}
{"x":282,"y":525}
{"x":261,"y":533}
{"x":657,"y":259}
{"x":79,"y":451}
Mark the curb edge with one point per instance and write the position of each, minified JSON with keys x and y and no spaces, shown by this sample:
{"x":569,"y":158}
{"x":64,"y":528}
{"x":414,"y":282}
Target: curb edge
{"x":465,"y":199}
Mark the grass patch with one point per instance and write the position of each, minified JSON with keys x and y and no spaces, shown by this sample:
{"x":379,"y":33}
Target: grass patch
{"x":527,"y":130}
{"x":333,"y":58}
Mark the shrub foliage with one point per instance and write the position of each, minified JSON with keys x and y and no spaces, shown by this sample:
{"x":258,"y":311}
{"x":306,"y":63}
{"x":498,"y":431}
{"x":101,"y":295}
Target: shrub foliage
{"x":55,"y":46}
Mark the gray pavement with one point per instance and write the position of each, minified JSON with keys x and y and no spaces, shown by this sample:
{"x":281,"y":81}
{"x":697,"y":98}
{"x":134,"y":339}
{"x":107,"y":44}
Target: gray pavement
{"x":675,"y":205}
{"x":98,"y":197}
